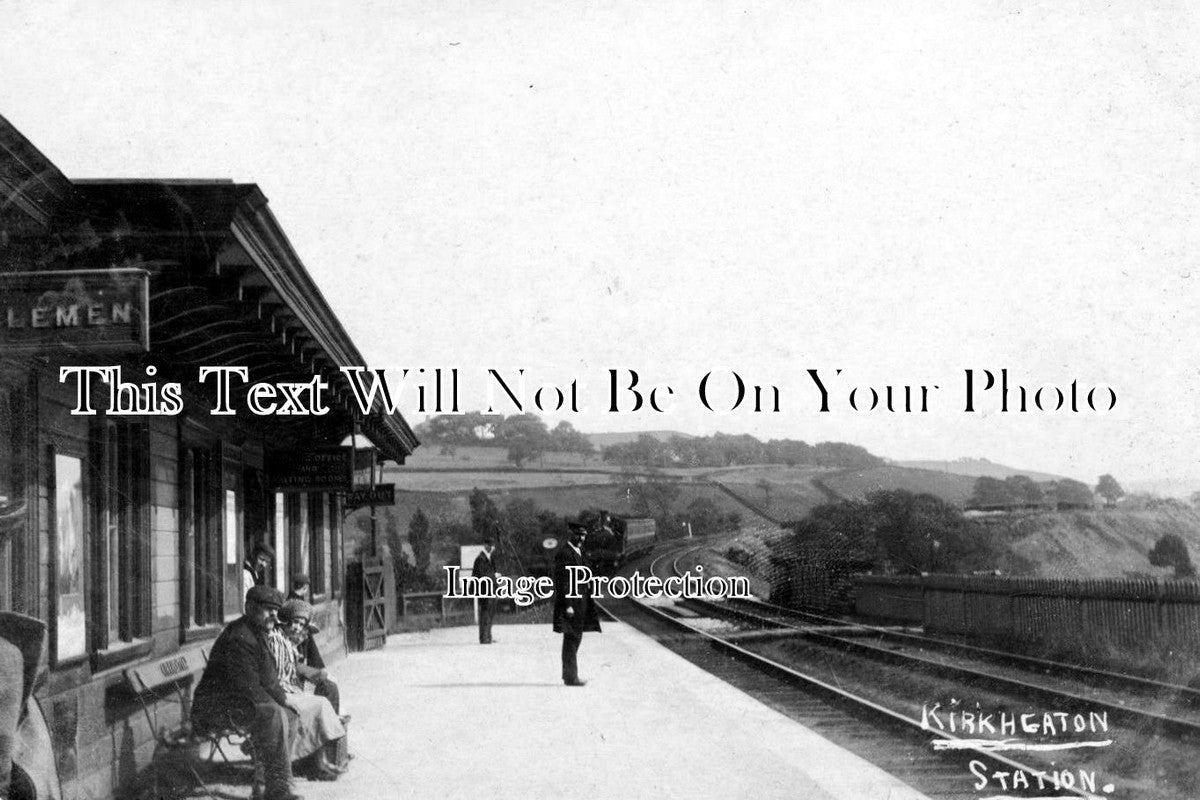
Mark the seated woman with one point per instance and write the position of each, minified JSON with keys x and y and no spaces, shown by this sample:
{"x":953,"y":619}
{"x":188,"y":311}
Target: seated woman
{"x":296,"y":621}
{"x":317,"y":725}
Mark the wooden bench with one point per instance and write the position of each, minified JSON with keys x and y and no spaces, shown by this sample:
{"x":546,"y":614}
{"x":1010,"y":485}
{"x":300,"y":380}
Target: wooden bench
{"x":167,"y":678}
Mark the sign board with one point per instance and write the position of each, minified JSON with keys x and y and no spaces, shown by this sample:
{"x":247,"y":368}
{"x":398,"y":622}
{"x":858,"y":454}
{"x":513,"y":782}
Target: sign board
{"x":93,"y":310}
{"x":382,"y":494}
{"x":326,"y":469}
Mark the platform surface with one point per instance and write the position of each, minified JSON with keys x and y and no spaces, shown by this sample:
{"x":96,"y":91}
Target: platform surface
{"x":438,"y":715}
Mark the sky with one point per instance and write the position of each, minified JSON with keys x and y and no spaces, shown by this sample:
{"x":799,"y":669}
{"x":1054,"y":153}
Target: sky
{"x":900,"y":191}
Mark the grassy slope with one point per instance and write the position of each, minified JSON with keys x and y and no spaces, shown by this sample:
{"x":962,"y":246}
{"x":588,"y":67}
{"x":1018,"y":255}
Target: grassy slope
{"x":1095,"y":544}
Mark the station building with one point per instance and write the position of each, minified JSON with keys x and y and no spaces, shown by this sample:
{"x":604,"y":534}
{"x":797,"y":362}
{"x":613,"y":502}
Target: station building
{"x":126,"y":533}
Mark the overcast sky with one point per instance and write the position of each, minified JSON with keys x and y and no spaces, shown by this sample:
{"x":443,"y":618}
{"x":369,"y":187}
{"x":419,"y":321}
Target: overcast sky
{"x":899,"y":191}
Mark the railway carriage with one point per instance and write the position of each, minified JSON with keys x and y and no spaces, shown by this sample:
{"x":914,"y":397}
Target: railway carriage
{"x":611,"y":542}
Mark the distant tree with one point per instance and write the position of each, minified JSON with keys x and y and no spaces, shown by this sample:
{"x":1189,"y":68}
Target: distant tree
{"x":526,"y":437}
{"x":485,"y":517}
{"x":706,"y":517}
{"x":523,"y":451}
{"x":408,"y":577}
{"x":649,"y":495}
{"x":1109,"y":489}
{"x":789,"y":451}
{"x":566,"y":439}
{"x":1069,"y":493}
{"x":991,"y":492}
{"x":1171,"y":551}
{"x":522,"y":521}
{"x":420,"y":539}
{"x":469,"y":428}
{"x":1024,"y":489}
{"x":458,"y":533}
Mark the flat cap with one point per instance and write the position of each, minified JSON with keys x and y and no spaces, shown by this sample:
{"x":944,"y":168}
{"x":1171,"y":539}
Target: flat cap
{"x":263,"y":547}
{"x":300,"y":579}
{"x":577,"y":527}
{"x":265,"y":596}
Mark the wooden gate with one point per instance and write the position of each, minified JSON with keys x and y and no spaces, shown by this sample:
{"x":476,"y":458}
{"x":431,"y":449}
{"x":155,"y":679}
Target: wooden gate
{"x":366,"y":605}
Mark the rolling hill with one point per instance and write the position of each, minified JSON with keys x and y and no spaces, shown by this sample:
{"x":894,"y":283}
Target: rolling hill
{"x":976,"y":468}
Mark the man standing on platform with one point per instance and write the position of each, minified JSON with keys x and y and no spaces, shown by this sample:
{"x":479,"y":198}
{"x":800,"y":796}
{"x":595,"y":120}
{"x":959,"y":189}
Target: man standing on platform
{"x":572,"y":615}
{"x":485,"y":569}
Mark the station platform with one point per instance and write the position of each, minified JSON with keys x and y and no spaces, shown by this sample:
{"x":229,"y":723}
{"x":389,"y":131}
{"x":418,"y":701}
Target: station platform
{"x":436,"y":714}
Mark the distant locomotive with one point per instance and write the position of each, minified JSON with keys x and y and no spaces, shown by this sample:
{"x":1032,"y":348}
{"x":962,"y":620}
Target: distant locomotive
{"x":611,"y":542}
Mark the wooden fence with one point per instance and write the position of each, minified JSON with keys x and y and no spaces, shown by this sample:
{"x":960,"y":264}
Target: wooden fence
{"x":1125,"y":612}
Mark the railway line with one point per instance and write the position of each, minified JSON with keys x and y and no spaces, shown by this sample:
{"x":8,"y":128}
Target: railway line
{"x":892,"y":740}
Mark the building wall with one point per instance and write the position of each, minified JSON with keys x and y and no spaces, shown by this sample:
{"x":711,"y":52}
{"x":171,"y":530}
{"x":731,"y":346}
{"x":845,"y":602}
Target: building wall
{"x":101,"y":736}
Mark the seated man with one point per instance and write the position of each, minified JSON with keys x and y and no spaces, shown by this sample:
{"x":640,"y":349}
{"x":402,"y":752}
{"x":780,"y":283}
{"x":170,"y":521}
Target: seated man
{"x":318,"y":727}
{"x":240,"y":686}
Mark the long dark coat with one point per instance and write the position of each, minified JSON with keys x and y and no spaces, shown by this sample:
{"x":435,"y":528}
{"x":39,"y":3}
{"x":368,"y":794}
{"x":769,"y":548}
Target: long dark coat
{"x":585,"y":617}
{"x":484,"y":567}
{"x":240,"y":674}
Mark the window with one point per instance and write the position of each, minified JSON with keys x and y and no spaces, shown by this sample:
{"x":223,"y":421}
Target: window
{"x":232,"y":534}
{"x":121,"y":547}
{"x":335,"y":544}
{"x":201,"y":552}
{"x":70,"y":615}
{"x":16,"y":590}
{"x":281,"y":541}
{"x":319,"y":546}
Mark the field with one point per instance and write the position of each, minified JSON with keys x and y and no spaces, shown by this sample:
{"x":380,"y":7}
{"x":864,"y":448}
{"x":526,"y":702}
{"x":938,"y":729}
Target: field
{"x":789,"y":493}
{"x":954,"y":489}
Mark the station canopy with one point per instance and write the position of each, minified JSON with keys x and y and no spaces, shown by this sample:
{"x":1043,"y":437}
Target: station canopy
{"x":226,"y":287}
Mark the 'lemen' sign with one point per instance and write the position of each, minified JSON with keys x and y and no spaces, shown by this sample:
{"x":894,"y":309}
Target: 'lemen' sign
{"x":102,"y":310}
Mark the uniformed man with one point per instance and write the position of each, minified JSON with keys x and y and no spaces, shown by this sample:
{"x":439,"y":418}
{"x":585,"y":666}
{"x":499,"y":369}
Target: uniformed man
{"x":572,"y":615}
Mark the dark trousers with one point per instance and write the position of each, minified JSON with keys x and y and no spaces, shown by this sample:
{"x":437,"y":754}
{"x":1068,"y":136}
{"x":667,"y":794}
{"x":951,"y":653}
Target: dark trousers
{"x":329,"y":690}
{"x":571,"y":642}
{"x":270,"y":732}
{"x":487,"y":610}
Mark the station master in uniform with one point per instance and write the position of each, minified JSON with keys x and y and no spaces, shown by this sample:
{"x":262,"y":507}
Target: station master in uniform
{"x":572,"y":616}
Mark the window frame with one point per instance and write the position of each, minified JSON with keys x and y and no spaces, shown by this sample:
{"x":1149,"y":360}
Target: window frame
{"x":117,"y":495}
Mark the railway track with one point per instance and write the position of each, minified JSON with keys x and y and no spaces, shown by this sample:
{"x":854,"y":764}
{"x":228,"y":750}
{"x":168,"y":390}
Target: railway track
{"x":1092,"y":676}
{"x":1126,"y":699}
{"x":895,"y":741}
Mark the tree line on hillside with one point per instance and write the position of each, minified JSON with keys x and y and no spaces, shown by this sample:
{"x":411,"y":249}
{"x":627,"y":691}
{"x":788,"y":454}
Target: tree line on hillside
{"x":525,"y":435}
{"x":1021,"y":491}
{"x":527,"y":438}
{"x":727,"y":450}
